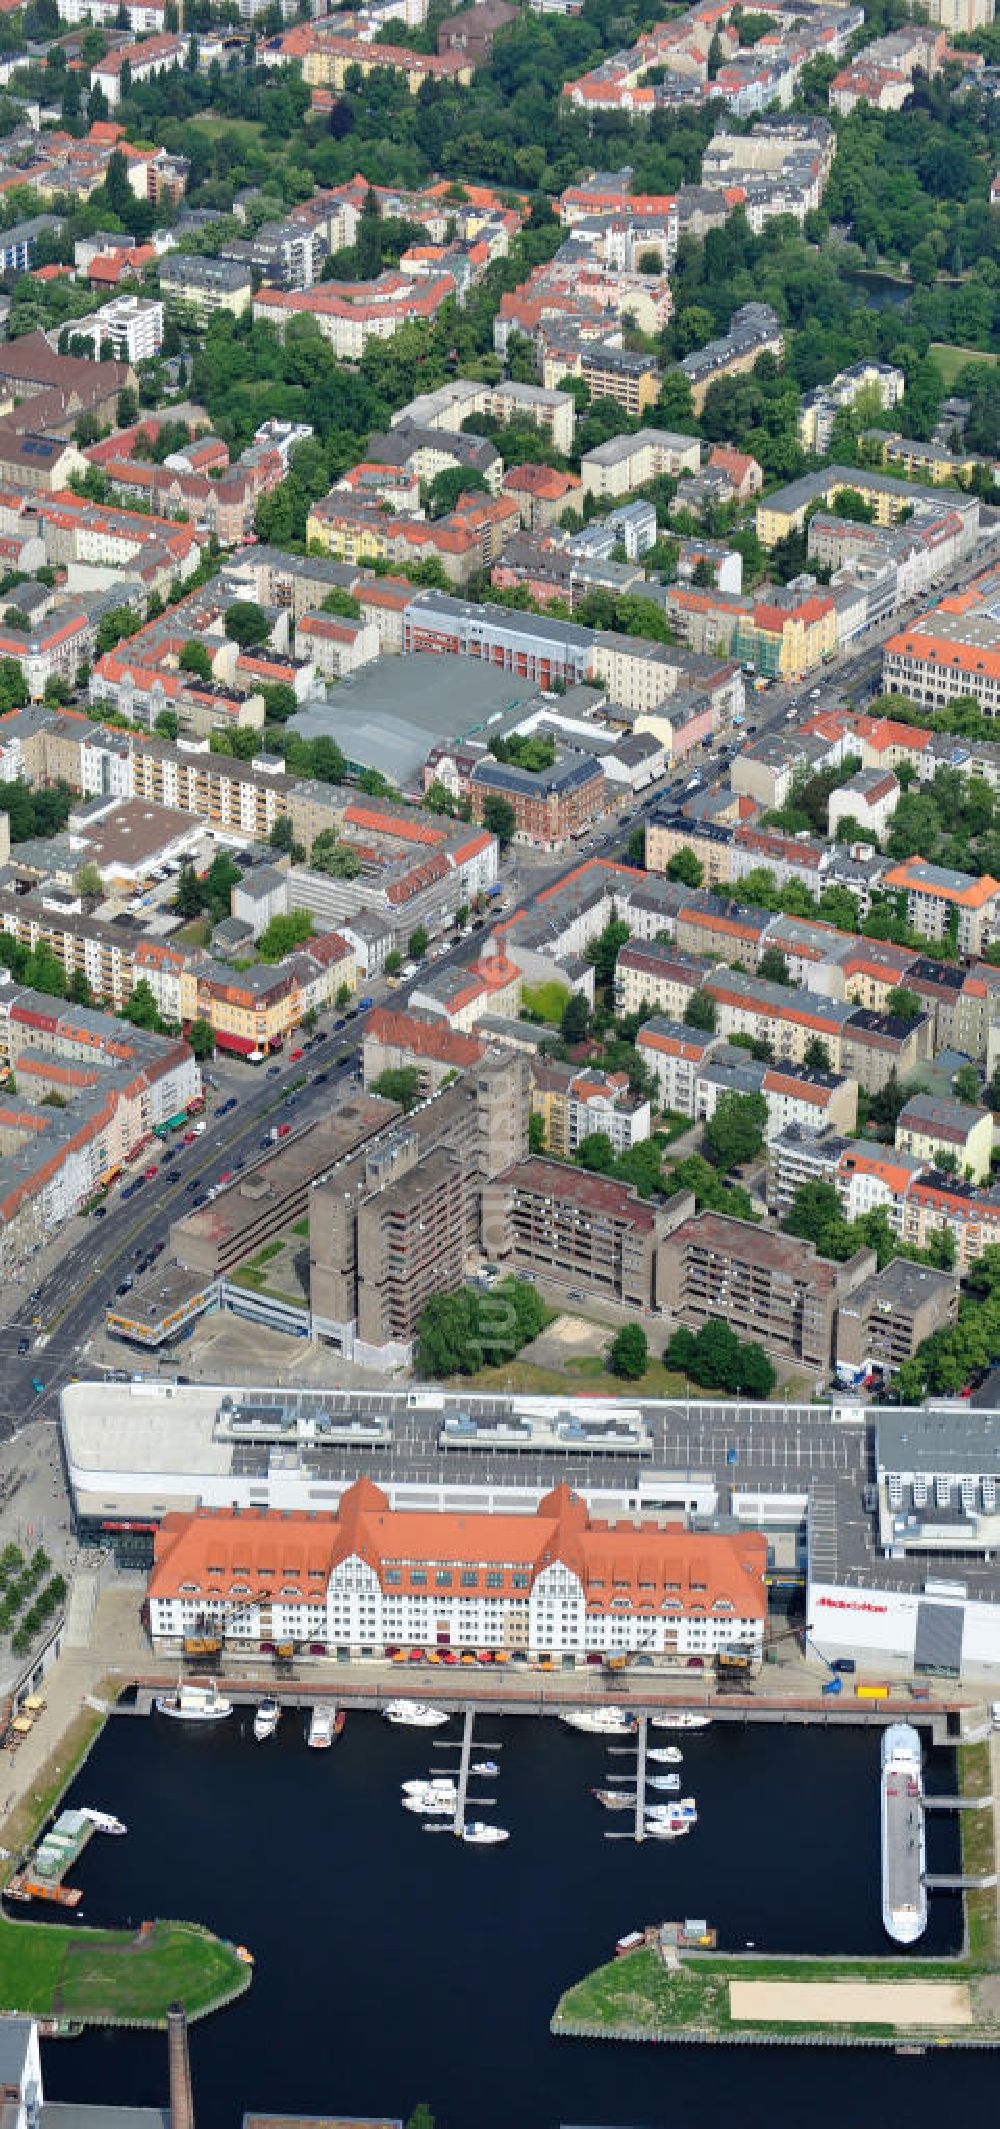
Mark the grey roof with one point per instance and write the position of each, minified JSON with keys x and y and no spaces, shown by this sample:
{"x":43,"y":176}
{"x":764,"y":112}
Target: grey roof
{"x":939,"y":1440}
{"x":389,"y":715}
{"x":15,"y":2037}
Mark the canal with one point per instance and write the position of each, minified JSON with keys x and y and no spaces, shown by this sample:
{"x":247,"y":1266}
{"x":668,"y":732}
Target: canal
{"x":394,"y":1966}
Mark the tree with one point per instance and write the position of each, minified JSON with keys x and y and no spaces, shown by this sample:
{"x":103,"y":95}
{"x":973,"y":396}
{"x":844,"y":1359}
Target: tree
{"x":201,"y":1037}
{"x":966,"y":1085}
{"x":603,"y":951}
{"x":815,"y":1208}
{"x":575,"y":1023}
{"x":449,"y":484}
{"x":194,"y":658}
{"x":773,"y":967}
{"x":628,"y":1355}
{"x":735,"y":1132}
{"x":817,"y":1055}
{"x":635,"y":848}
{"x":904,"y":1004}
{"x":596,"y":1153}
{"x":79,"y":991}
{"x":141,"y":1008}
{"x":247,"y":624}
{"x":189,"y":897}
{"x":400,"y":1084}
{"x":330,"y":855}
{"x":446,"y":1337}
{"x":284,"y":934}
{"x":128,"y":408}
{"x":282,"y":837}
{"x":700,"y":1012}
{"x":419,"y":942}
{"x":536,"y":1132}
{"x":43,"y":971}
{"x":500,"y":819}
{"x":685,"y":868}
{"x":393,"y":961}
{"x":87,"y":879}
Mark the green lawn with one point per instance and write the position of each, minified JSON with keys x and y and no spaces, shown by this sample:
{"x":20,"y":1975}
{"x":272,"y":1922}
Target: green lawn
{"x":582,"y":1372}
{"x":950,"y":360}
{"x":111,"y":1974}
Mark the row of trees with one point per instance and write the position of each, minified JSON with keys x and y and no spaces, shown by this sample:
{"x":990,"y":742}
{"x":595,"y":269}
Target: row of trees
{"x":714,"y":1357}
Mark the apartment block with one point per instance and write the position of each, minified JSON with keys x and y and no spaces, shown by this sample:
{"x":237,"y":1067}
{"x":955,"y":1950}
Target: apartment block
{"x":788,"y":1019}
{"x":754,"y":330}
{"x":625,"y":463}
{"x":195,"y":288}
{"x":428,"y":1177}
{"x":581,"y":1230}
{"x":931,"y":1126}
{"x":658,"y":975}
{"x":941,"y":902}
{"x":772,"y":1290}
{"x":884,"y":1321}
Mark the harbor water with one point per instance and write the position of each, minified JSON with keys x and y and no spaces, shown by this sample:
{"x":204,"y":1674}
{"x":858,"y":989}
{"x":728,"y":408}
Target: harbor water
{"x":394,"y":1965}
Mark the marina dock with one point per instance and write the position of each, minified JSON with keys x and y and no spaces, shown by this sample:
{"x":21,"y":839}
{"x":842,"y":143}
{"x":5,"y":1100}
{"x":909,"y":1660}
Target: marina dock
{"x":463,"y":1769}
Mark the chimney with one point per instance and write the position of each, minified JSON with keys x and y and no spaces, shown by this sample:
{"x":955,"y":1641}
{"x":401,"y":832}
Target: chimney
{"x":181,"y":2099}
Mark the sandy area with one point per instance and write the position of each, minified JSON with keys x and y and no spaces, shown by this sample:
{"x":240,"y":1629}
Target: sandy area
{"x":899,"y":2003}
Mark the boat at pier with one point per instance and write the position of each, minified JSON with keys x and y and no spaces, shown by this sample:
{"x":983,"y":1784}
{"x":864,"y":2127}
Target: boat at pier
{"x":478,"y":1835}
{"x":484,"y":1766}
{"x":325,"y":1725}
{"x":102,"y":1821}
{"x":904,"y":1846}
{"x":434,"y":1807}
{"x":439,"y":1786}
{"x":615,"y":1799}
{"x":266,"y":1719}
{"x":666,"y":1829}
{"x":600,"y":1722}
{"x":665,"y":1783}
{"x":414,"y":1714}
{"x":680,"y":1719}
{"x":665,"y":1755}
{"x":194,"y":1703}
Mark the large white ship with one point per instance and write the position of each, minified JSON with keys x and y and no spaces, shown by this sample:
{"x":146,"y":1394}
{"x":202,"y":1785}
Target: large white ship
{"x":904,"y":1894}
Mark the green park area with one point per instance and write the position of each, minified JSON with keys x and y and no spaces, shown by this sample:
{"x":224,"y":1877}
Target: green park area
{"x":112,"y":1977}
{"x":917,"y":2002}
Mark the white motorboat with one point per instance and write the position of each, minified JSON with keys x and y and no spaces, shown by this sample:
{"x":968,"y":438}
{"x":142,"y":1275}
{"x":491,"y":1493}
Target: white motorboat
{"x":103,"y":1821}
{"x":682,"y":1807}
{"x":414,"y":1714}
{"x":665,"y":1783}
{"x":325,"y":1724}
{"x":666,"y":1829}
{"x":680,"y":1719}
{"x":432,"y":1807}
{"x":600,"y":1722}
{"x":484,"y":1766}
{"x":665,"y":1755}
{"x":194,"y":1703}
{"x":440,"y":1785}
{"x":266,"y":1719}
{"x":479,"y":1835}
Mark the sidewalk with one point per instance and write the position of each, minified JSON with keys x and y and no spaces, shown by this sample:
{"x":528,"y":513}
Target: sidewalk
{"x":118,"y":1644}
